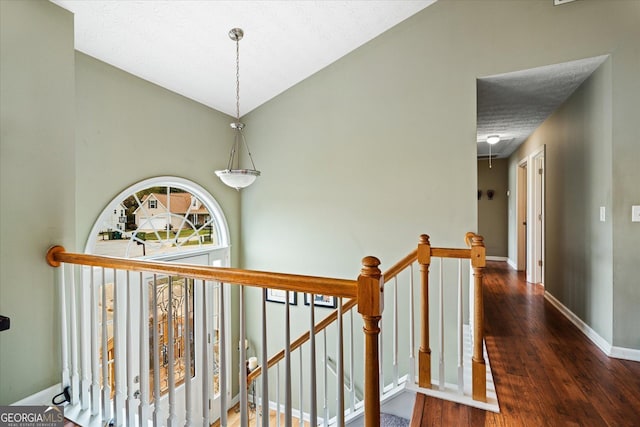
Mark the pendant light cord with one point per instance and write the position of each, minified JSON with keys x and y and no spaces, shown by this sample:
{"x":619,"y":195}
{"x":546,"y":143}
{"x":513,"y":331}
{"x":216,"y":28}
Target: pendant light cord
{"x":238,"y":80}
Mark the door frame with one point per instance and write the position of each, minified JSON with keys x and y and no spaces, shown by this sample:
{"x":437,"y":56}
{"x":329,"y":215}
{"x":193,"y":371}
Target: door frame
{"x":521,"y":215}
{"x":535,"y":235}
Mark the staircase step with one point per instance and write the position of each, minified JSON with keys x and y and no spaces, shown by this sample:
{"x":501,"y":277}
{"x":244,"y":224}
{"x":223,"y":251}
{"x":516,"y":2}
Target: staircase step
{"x":389,"y":420}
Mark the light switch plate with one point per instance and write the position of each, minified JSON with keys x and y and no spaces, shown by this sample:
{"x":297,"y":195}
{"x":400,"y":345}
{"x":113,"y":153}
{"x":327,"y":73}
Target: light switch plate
{"x":602,"y":214}
{"x":635,"y":213}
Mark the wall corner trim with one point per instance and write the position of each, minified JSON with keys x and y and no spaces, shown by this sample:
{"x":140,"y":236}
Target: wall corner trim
{"x":512,"y":264}
{"x":581,"y":325}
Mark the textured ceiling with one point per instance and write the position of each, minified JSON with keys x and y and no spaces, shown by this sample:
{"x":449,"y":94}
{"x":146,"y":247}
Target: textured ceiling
{"x":184,"y":47}
{"x":513,"y":105}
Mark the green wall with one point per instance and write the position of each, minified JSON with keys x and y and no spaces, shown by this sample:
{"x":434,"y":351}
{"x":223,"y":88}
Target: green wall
{"x":492,"y":214}
{"x":380,"y":146}
{"x":128,"y":129}
{"x":358,"y":159}
{"x":37,"y":186}
{"x":578,"y":173}
{"x":75,"y":133}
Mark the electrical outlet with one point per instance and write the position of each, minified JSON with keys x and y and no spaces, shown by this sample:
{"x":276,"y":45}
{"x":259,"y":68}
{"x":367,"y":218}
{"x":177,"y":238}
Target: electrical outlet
{"x":635,"y":213}
{"x":602,"y":214}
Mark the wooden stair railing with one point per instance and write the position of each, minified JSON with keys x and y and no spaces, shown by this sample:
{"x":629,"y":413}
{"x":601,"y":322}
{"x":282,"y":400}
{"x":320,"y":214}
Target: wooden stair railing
{"x":476,"y":253}
{"x":422,"y":254}
{"x":366,"y":290}
{"x":331,"y":318}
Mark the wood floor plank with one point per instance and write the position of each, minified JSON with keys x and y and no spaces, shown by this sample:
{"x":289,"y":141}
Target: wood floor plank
{"x":546,"y":372}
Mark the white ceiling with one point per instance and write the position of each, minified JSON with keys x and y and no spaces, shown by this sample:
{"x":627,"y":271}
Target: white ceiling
{"x":184,"y":45}
{"x":513,"y":105}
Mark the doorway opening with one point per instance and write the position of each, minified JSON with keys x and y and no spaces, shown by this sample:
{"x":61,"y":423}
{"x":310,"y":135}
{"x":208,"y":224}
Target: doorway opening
{"x":531,"y":216}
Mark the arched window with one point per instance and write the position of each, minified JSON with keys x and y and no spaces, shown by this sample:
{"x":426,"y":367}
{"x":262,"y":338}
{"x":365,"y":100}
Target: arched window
{"x":171,"y":219}
{"x":159,"y":217}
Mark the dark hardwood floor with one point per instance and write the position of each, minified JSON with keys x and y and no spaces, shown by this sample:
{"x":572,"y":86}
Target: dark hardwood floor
{"x":546,"y":372}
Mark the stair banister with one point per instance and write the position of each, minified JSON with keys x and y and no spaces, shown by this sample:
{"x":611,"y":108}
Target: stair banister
{"x":370,"y":306}
{"x":478,"y":367}
{"x":424,"y":353}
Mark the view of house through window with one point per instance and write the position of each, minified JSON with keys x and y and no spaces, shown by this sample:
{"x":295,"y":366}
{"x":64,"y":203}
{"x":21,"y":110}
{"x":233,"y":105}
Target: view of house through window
{"x":176,"y":223}
{"x":156,"y":220}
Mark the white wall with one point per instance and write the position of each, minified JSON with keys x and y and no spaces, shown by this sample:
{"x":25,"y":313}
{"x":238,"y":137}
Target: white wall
{"x":492,"y":214}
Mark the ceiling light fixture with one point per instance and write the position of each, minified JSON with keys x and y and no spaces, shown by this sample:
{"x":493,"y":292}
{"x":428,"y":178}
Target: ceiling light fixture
{"x":492,"y":140}
{"x":233,"y":175}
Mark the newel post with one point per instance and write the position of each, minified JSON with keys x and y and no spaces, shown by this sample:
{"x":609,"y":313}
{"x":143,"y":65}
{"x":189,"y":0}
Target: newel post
{"x":424,"y":353}
{"x":478,"y":369}
{"x":370,"y":305}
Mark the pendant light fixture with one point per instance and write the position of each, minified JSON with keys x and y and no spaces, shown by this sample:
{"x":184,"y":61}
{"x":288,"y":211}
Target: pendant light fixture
{"x":492,"y":140}
{"x":233,"y":175}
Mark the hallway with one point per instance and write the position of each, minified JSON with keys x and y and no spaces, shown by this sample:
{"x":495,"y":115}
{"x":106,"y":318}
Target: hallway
{"x":546,"y":372}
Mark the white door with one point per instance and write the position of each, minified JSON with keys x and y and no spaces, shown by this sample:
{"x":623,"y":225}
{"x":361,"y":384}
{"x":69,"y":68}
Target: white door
{"x":205,"y":341}
{"x":535,"y":217}
{"x":539,"y":218}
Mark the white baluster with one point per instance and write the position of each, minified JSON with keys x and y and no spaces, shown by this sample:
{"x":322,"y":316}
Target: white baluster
{"x":340,"y":367}
{"x":395,"y":331}
{"x":157,"y":409}
{"x":186,"y":337}
{"x":95,"y":359}
{"x":131,"y":400}
{"x":325,"y":357}
{"x":352,"y":388}
{"x":206,"y":387}
{"x":381,"y":358}
{"x":412,"y":330}
{"x":460,"y":334}
{"x":75,"y":378}
{"x":64,"y":329}
{"x":172,"y":419}
{"x":441,"y":327}
{"x":278,"y":394}
{"x":106,"y":381}
{"x":287,"y":363}
{"x":244,"y":416}
{"x":264,"y":362}
{"x":143,"y":409}
{"x":300,"y":389}
{"x":117,"y":351}
{"x":85,"y":341}
{"x":313,"y":398}
{"x":222,"y":346}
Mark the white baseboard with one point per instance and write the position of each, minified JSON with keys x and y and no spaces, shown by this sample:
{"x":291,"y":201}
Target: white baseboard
{"x":512,"y":264}
{"x":608,"y":349}
{"x":625,"y":353}
{"x":496,"y":258}
{"x":42,"y":397}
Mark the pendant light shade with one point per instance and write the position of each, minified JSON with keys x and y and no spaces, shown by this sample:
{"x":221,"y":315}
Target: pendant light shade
{"x":234,"y":176}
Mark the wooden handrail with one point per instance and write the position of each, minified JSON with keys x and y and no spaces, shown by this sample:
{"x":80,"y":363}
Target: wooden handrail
{"x":342,"y":288}
{"x":298,"y":342}
{"x":392,"y":272}
{"x":332,"y":317}
{"x":451,"y":253}
{"x":400,"y":266}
